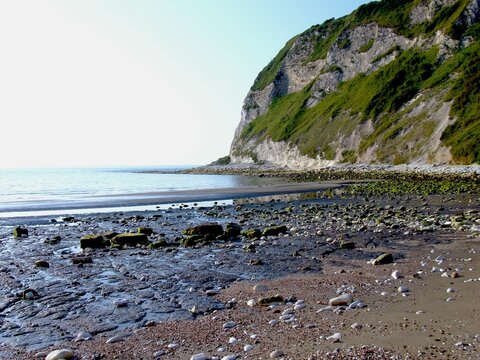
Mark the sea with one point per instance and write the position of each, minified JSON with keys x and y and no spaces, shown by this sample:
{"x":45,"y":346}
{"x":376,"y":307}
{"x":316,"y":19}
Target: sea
{"x":41,"y":191}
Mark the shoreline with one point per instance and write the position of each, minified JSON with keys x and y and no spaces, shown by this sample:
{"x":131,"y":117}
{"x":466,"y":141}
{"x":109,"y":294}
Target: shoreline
{"x":166,"y":197}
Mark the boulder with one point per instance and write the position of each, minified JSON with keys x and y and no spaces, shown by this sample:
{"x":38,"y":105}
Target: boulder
{"x":274,"y":230}
{"x":129,"y":239}
{"x":252,"y":233}
{"x":209,"y":230}
{"x":232,"y":230}
{"x":93,"y":241}
{"x":19,"y":232}
{"x":158,"y":244}
{"x":383,"y":259}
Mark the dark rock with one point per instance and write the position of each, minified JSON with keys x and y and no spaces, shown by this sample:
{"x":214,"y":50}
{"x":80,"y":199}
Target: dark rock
{"x":252,"y":233}
{"x":192,"y":240}
{"x":77,"y":260}
{"x":232,"y":230}
{"x":347,"y":245}
{"x":249,"y":248}
{"x":93,"y":241}
{"x":19,"y":232}
{"x":383,"y":259}
{"x":209,"y":230}
{"x":109,"y":235}
{"x":274,"y":230}
{"x":270,"y":300}
{"x":158,"y":244}
{"x":129,"y":239}
{"x":68,"y":219}
{"x":42,"y":264}
{"x":145,"y":230}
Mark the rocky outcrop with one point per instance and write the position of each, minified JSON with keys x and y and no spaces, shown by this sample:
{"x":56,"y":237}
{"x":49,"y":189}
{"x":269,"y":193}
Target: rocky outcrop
{"x":318,"y":61}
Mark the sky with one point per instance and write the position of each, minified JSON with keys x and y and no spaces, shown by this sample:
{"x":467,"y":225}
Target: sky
{"x":136,"y":82}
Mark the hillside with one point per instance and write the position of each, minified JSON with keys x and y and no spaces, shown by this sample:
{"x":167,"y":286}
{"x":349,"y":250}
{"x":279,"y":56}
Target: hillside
{"x":396,"y":81}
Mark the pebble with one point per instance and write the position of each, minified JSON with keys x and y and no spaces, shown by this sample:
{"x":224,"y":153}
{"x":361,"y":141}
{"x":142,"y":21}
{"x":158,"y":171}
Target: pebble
{"x":260,"y":288}
{"x":60,"y":354}
{"x":230,"y":357}
{"x":115,"y":339}
{"x":273,"y":322}
{"x":450,"y":299}
{"x":299,"y":307}
{"x":251,"y":302}
{"x":83,"y":336}
{"x":357,"y":305}
{"x":173,"y":346}
{"x":356,"y":326}
{"x":397,"y":275}
{"x":335,"y":337}
{"x":200,"y":356}
{"x":120,"y":303}
{"x":276,"y":354}
{"x":450,"y":290}
{"x":403,"y":289}
{"x":232,"y":340}
{"x":229,"y":325}
{"x":158,"y":353}
{"x":344,"y":299}
{"x":248,"y":348}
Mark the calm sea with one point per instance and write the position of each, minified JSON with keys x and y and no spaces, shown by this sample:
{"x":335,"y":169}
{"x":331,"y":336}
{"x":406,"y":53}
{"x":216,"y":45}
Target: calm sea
{"x":37,"y":186}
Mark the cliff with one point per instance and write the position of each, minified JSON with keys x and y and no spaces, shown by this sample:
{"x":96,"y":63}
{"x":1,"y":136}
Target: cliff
{"x":396,"y":81}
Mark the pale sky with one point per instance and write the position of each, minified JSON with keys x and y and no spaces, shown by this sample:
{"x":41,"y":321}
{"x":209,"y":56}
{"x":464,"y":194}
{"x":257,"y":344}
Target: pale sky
{"x":136,"y":82}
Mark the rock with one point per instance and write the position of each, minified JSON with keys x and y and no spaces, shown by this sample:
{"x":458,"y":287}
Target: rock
{"x":260,"y":288}
{"x":383,"y":259}
{"x":60,"y":354}
{"x":251,"y":302}
{"x":115,"y":339}
{"x":83,"y":336}
{"x":455,"y":275}
{"x":145,"y":230}
{"x":109,"y":235}
{"x":248,"y":348}
{"x":270,"y":300}
{"x":274,"y":230}
{"x":29,"y":294}
{"x":42,"y":264}
{"x":229,"y":325}
{"x":397,"y":275}
{"x":209,"y":230}
{"x":450,"y":290}
{"x":19,"y":232}
{"x":252,"y":233}
{"x":77,"y":260}
{"x":230,"y":357}
{"x":335,"y":337}
{"x":200,"y":356}
{"x":233,"y":340}
{"x":250,"y":248}
{"x":347,"y":245}
{"x":129,"y":239}
{"x":276,"y":354}
{"x":161,"y":243}
{"x":403,"y":289}
{"x":120,"y":303}
{"x":93,"y":241}
{"x":232,"y":230}
{"x":68,"y":218}
{"x":344,"y":299}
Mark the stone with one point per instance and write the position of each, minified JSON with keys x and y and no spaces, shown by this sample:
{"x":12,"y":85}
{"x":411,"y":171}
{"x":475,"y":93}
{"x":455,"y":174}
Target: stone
{"x":29,"y":294}
{"x":68,"y":219}
{"x":161,"y":243}
{"x":115,"y":339}
{"x":145,"y":230}
{"x":83,"y":336}
{"x":260,"y":288}
{"x":60,"y":354}
{"x":252,"y":233}
{"x":344,"y":299}
{"x":335,"y":337}
{"x":230,"y":357}
{"x":347,"y":245}
{"x":19,"y":232}
{"x":270,"y":300}
{"x":250,"y":248}
{"x":229,"y":325}
{"x":93,"y":241}
{"x":81,"y":260}
{"x":248,"y":348}
{"x":42,"y":264}
{"x":403,"y":289}
{"x":275,"y":230}
{"x":383,"y":259}
{"x":251,"y":302}
{"x":129,"y":239}
{"x":209,"y":230}
{"x":200,"y":356}
{"x":232,"y":230}
{"x":276,"y":354}
{"x":397,"y":275}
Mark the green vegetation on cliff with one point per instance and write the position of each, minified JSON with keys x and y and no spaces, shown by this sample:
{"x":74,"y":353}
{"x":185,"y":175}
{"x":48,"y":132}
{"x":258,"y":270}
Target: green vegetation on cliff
{"x":385,"y":95}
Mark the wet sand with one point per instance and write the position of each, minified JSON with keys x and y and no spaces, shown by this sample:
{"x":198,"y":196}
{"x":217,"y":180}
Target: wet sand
{"x":174,"y":302}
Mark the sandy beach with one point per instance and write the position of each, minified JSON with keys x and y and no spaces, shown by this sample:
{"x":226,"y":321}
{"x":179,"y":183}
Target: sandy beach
{"x":256,"y":295}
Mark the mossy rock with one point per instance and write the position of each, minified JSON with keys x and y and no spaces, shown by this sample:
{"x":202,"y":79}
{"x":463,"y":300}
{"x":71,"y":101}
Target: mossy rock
{"x":274,"y":230}
{"x":129,"y":239}
{"x":232,"y":230}
{"x":109,"y":235}
{"x":145,"y":230}
{"x":93,"y":241}
{"x":252,"y":233}
{"x":161,"y":243}
{"x":19,"y":232}
{"x":209,"y":230}
{"x":383,"y":259}
{"x":193,"y":240}
{"x":270,"y":300}
{"x":347,"y":245}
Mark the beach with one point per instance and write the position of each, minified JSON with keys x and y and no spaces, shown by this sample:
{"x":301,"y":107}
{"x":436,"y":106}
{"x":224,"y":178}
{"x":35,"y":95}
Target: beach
{"x":256,"y":294}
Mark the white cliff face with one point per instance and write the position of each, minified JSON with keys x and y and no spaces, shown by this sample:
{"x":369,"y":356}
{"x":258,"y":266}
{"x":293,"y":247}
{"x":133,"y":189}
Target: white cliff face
{"x":363,"y":49}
